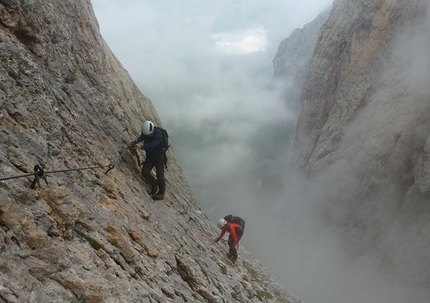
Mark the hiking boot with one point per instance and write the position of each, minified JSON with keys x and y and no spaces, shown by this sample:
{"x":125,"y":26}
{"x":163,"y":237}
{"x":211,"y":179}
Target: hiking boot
{"x":232,"y":258}
{"x":158,"y":196}
{"x":154,"y":189}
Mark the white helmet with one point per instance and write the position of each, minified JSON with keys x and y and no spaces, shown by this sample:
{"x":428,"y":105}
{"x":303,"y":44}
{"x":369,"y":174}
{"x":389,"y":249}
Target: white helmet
{"x":222,"y":223}
{"x":147,"y":128}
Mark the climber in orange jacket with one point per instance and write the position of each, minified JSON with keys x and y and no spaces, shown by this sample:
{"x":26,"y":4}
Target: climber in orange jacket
{"x":235,"y":226}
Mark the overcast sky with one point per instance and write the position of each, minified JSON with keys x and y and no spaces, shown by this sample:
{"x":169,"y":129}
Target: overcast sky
{"x":200,"y":52}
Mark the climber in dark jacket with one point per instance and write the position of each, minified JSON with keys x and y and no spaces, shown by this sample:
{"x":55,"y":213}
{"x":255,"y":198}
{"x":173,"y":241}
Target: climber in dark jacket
{"x":152,"y":138}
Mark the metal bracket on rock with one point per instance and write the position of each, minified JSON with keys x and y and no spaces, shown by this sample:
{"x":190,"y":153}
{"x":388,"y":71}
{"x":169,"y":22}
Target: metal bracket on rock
{"x":38,"y":174}
{"x":111,"y":166}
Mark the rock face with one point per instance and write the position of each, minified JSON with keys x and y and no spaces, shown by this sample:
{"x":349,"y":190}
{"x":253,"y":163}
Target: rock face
{"x":292,"y":59}
{"x":87,"y":235}
{"x":363,"y":132}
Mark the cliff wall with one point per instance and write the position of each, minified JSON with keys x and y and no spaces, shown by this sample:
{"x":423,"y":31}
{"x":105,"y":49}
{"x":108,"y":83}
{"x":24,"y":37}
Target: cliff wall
{"x":292,"y":60}
{"x":362,"y":137}
{"x":86,"y":235}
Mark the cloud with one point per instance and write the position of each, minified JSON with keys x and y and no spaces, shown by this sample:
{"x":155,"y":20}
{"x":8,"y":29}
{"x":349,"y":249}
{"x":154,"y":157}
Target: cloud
{"x":151,"y":33}
{"x":241,"y":42}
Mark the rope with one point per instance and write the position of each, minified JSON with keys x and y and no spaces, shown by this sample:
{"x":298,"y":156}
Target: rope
{"x":39,"y":172}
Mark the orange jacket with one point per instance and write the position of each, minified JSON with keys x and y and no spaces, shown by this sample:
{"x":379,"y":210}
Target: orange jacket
{"x":231,"y":228}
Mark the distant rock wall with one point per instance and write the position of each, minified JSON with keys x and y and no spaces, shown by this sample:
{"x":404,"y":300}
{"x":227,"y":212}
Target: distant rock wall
{"x":87,"y":236}
{"x":363,"y":132}
{"x":291,"y":62}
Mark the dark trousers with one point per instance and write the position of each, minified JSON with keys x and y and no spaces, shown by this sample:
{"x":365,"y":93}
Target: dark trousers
{"x":232,"y":251}
{"x":158,"y":163}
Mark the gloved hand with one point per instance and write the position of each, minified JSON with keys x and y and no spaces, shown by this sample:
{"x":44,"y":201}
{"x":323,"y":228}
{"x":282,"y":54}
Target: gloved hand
{"x":135,"y":147}
{"x":216,"y":240}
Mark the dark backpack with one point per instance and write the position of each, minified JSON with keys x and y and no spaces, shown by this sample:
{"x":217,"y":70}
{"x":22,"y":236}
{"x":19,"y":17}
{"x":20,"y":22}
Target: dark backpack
{"x":165,"y":138}
{"x":235,"y":219}
{"x":165,"y":143}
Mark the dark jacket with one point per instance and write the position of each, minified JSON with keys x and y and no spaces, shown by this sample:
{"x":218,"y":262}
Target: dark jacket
{"x":152,"y":145}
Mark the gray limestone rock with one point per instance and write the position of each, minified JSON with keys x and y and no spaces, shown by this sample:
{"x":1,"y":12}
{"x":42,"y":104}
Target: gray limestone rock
{"x":87,"y":235}
{"x":363,"y":131}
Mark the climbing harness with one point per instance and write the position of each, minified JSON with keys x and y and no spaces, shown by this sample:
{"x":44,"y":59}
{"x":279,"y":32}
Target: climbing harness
{"x":40,"y":173}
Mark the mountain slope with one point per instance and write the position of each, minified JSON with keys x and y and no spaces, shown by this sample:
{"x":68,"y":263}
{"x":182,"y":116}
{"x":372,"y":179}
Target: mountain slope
{"x":87,"y":235}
